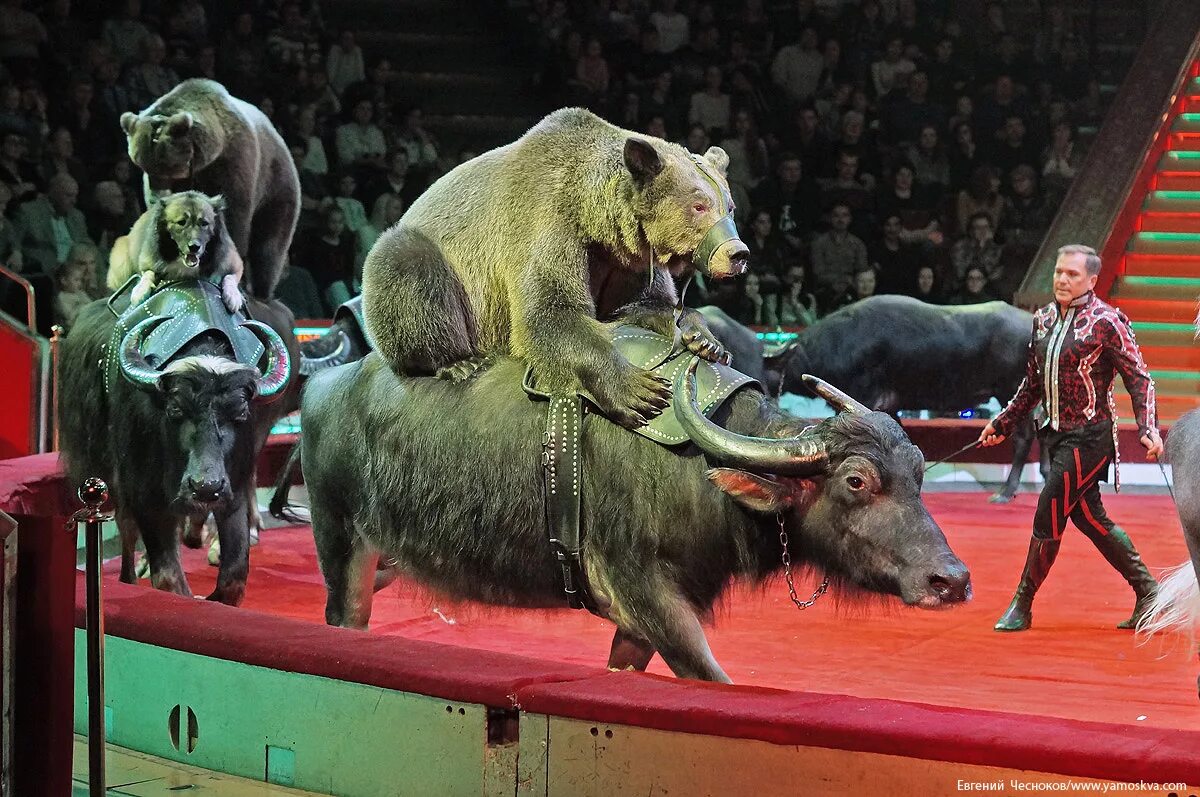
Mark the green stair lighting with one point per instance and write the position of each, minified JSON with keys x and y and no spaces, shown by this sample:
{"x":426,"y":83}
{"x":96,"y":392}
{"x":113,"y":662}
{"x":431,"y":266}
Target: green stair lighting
{"x":1163,"y":281}
{"x":1176,"y":194}
{"x":1161,"y":326}
{"x":777,"y":337}
{"x":1183,"y":154}
{"x":1190,"y":117}
{"x":1190,"y":376}
{"x":1169,"y":236}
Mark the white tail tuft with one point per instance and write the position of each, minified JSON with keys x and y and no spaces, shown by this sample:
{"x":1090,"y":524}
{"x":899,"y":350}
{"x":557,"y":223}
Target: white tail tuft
{"x":1177,"y":604}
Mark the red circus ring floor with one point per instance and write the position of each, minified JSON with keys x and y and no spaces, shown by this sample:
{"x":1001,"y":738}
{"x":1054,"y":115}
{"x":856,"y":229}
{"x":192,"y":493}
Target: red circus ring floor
{"x":1072,"y":664}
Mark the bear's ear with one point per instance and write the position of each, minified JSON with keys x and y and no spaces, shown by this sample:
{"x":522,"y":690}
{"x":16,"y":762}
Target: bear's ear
{"x":128,"y":122}
{"x":718,"y":158}
{"x":217,"y":202}
{"x":641,"y":158}
{"x":179,"y":123}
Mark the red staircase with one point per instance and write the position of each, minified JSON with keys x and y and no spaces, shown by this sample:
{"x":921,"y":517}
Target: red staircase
{"x":1158,"y":279}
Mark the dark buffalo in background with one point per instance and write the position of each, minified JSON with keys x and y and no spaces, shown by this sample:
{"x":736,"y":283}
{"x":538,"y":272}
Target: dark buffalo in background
{"x":446,"y":480}
{"x":175,"y":443}
{"x":899,"y":353}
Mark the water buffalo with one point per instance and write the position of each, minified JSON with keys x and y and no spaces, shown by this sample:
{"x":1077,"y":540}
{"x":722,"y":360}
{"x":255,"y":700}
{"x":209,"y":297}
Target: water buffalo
{"x":446,"y":479}
{"x":899,"y":353}
{"x":175,"y":439}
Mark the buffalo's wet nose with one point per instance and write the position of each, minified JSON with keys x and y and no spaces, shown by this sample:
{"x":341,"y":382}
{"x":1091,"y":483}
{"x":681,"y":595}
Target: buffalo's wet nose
{"x":952,"y":585}
{"x":206,"y":491}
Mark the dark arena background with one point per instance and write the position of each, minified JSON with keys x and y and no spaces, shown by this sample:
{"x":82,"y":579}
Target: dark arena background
{"x":209,"y":209}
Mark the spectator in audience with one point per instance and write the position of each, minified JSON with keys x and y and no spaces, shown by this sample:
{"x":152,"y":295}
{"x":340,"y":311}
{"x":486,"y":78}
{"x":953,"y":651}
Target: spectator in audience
{"x":1026,"y":214}
{"x":697,"y":141}
{"x":360,"y":142}
{"x":591,"y":75}
{"x":71,"y":293}
{"x":964,"y":156}
{"x":928,"y":288}
{"x":660,"y":100}
{"x":837,"y":255}
{"x":931,"y":167}
{"x":909,"y":114}
{"x":15,"y":171}
{"x":344,"y":65}
{"x":329,"y":256}
{"x":420,"y":144}
{"x":59,"y":158}
{"x":974,"y":289}
{"x":752,"y":306}
{"x":849,"y":188}
{"x":896,"y":261}
{"x":387,"y":211}
{"x":83,"y":255}
{"x":797,"y":68}
{"x":1061,"y":159}
{"x":305,"y":129}
{"x":806,"y":138}
{"x":319,"y":94}
{"x":856,"y":139}
{"x":885,"y":71}
{"x":149,"y":79}
{"x":298,"y":292}
{"x":109,"y":218}
{"x":994,"y":109}
{"x":797,"y":305}
{"x":982,"y":195}
{"x":901,"y":197}
{"x":672,"y":27}
{"x":21,"y":34}
{"x":767,"y":251}
{"x":50,"y":224}
{"x":792,"y":199}
{"x":242,"y":58}
{"x":977,"y":249}
{"x":748,"y":157}
{"x":947,"y":76}
{"x":10,"y":252}
{"x":710,"y":108}
{"x":292,"y":44}
{"x":312,"y":188}
{"x":1013,"y":149}
{"x":125,"y":34}
{"x":354,"y":215}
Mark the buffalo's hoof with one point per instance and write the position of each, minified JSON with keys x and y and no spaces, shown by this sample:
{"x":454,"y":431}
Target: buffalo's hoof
{"x":142,"y":569}
{"x":1000,"y":498}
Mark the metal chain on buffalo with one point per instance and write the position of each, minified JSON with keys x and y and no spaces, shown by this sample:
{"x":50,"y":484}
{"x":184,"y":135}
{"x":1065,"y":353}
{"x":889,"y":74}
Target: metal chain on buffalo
{"x":787,"y":572}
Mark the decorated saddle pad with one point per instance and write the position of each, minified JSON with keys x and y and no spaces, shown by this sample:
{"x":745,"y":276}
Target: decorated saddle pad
{"x":186,"y":309}
{"x":715,"y":383}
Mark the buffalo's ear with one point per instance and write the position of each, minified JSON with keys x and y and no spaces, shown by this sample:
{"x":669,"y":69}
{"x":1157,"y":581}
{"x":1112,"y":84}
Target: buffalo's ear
{"x":642,"y":160}
{"x":179,"y":123}
{"x":753,"y":492}
{"x":128,"y":122}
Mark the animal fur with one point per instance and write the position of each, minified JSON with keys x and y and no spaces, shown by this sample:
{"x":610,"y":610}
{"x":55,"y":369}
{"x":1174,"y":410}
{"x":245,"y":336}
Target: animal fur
{"x":198,"y":136}
{"x":158,"y":247}
{"x":501,"y":256}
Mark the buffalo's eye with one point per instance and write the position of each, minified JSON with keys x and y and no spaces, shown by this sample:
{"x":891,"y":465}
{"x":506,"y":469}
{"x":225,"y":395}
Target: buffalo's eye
{"x":855,"y":482}
{"x":699,"y":207}
{"x":173,"y":412}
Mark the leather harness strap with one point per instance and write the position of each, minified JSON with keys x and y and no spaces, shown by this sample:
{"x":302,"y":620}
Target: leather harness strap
{"x":562,"y":449}
{"x":563,"y":475}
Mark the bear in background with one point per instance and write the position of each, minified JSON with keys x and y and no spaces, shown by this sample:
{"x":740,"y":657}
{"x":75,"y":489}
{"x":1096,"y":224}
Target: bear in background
{"x":198,"y":136}
{"x":182,"y":236}
{"x":501,"y":256}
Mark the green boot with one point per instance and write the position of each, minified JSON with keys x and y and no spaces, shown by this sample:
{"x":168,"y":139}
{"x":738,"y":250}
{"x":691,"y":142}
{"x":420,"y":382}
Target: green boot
{"x":1037,"y":564}
{"x":1118,"y":550}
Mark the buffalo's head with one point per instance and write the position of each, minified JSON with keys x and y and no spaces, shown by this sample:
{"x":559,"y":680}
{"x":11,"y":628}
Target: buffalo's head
{"x":205,"y":400}
{"x":848,"y":491}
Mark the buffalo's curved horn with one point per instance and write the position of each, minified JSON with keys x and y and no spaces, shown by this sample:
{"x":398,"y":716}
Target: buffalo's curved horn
{"x":279,"y":362}
{"x":133,"y":364}
{"x":310,"y":364}
{"x":836,"y":398}
{"x":792,"y":456}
